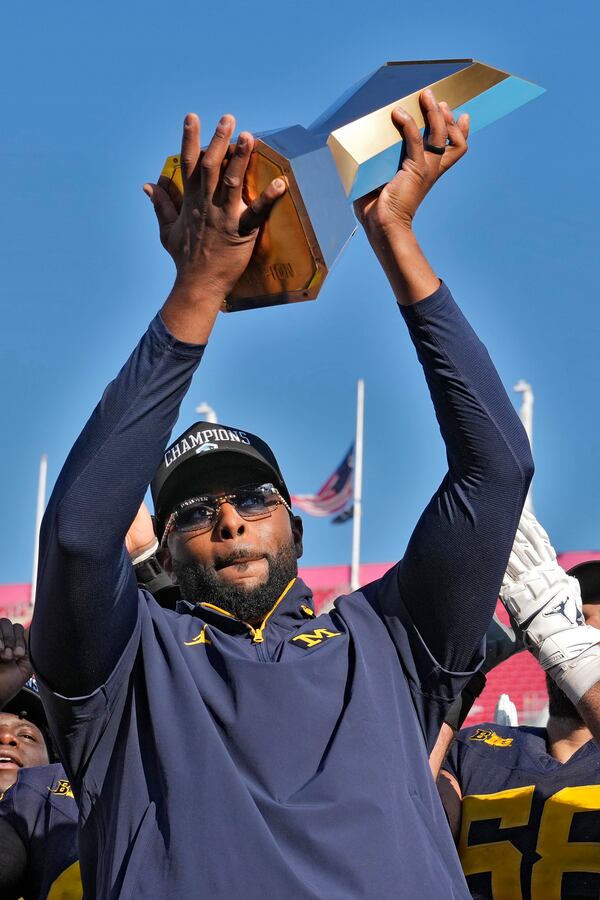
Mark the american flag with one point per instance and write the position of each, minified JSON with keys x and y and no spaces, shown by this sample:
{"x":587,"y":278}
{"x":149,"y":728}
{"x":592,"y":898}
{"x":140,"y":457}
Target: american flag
{"x":335,"y":493}
{"x":344,"y":516}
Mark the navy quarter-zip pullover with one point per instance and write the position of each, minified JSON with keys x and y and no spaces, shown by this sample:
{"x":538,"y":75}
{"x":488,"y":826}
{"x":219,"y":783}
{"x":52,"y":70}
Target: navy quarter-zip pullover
{"x":209,"y":761}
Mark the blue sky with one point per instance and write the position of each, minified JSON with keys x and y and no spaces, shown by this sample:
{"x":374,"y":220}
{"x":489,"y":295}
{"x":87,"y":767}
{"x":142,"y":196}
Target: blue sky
{"x":93,"y":101}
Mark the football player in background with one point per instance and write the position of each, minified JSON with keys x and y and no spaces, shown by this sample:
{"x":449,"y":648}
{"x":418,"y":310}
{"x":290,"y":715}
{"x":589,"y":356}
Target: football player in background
{"x":38,"y":815}
{"x":24,"y":740}
{"x":524,"y":803}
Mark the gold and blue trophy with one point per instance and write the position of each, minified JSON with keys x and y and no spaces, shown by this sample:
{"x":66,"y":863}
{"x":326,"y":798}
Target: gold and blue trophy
{"x":350,"y":150}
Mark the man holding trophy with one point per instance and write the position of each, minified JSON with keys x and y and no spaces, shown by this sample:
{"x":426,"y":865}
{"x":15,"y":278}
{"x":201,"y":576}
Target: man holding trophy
{"x":241,"y":746}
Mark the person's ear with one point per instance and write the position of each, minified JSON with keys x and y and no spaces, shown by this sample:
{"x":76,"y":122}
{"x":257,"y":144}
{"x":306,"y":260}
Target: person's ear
{"x":164,"y":557}
{"x":297,"y":533}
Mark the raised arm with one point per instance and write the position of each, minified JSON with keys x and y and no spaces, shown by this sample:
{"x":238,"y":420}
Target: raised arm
{"x":86,"y":606}
{"x":451,"y":573}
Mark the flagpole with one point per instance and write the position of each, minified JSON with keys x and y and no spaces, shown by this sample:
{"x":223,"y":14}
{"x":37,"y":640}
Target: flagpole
{"x":358,"y":467}
{"x":39,"y":514}
{"x":207,"y":413}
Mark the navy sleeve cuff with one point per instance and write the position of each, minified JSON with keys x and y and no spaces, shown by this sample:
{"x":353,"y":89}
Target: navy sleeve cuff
{"x":165,"y":339}
{"x":429,"y":306}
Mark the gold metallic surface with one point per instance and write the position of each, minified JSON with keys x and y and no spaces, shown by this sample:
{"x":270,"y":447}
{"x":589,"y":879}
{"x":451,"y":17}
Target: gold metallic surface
{"x":364,"y":138}
{"x":286,"y":259}
{"x":172,"y":171}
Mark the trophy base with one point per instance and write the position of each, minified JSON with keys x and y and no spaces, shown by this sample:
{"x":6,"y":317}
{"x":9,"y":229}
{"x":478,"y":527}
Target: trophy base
{"x":289,"y":263}
{"x":286,"y":265}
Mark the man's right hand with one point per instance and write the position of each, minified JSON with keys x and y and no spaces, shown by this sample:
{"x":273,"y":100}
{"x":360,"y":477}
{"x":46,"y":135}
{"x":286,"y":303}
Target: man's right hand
{"x":211,"y":232}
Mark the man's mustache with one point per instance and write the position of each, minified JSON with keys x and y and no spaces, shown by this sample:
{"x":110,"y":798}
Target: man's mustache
{"x":241,"y":554}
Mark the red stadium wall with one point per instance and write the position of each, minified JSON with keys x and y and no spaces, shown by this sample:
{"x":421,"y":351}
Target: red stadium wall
{"x":14,"y":601}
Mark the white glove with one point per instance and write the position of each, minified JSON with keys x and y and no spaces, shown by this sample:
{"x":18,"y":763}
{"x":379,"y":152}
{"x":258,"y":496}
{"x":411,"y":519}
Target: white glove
{"x":501,"y":643}
{"x":544,"y":605}
{"x":506,"y":712}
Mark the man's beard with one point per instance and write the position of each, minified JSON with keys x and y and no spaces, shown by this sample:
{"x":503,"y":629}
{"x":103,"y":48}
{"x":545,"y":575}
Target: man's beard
{"x":560,"y":707}
{"x":199,"y":584}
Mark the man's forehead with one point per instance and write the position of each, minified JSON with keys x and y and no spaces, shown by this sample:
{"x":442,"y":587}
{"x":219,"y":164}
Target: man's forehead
{"x":13,"y":721}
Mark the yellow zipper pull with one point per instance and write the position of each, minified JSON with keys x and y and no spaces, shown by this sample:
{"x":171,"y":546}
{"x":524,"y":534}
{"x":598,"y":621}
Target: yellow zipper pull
{"x":307,"y":610}
{"x":257,"y":633}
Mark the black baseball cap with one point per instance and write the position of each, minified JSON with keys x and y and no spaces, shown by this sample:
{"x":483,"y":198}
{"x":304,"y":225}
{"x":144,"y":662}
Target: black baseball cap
{"x":27,"y":704}
{"x":205,"y":447}
{"x":588,"y":575}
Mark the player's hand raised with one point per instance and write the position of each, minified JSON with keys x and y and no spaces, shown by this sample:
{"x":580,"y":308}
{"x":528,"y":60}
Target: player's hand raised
{"x":211,"y":232}
{"x":15,"y":666}
{"x":394,"y":206}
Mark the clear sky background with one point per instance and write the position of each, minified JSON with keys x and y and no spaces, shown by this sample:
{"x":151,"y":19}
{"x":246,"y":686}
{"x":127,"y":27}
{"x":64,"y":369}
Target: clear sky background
{"x":93,"y":98}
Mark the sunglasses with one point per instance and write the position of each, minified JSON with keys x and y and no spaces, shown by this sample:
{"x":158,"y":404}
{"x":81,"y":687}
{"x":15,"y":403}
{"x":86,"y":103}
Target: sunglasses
{"x":199,"y":514}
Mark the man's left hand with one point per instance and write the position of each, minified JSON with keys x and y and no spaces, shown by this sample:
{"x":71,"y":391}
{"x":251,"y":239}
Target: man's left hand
{"x":395,"y":205}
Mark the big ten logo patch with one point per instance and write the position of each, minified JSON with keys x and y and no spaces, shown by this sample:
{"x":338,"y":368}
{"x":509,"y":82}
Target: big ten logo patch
{"x":63,"y":789}
{"x":310,"y":639}
{"x":486,"y":736}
